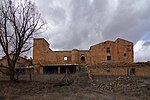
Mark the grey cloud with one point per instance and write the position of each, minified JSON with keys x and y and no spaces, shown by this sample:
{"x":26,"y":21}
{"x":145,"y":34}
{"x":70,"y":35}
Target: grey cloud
{"x":81,"y":23}
{"x":57,"y":15}
{"x":142,"y":51}
{"x":146,"y":43}
{"x":130,"y":21}
{"x":85,"y":27}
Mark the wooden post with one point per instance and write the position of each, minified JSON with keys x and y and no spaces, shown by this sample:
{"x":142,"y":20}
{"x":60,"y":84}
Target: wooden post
{"x":58,"y":70}
{"x":30,"y":74}
{"x":18,"y":72}
{"x":66,"y":70}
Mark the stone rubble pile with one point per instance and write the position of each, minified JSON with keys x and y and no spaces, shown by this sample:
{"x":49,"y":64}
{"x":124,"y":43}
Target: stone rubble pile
{"x":122,"y":83}
{"x":97,"y":85}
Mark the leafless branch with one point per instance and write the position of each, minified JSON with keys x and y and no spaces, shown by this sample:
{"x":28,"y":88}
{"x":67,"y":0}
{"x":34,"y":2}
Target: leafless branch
{"x":18,"y":22}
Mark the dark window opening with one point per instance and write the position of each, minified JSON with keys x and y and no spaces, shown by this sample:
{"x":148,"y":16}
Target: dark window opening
{"x":108,"y":70}
{"x":108,"y":58}
{"x":82,"y":57}
{"x":108,"y":50}
{"x":125,"y":54}
{"x":131,"y":71}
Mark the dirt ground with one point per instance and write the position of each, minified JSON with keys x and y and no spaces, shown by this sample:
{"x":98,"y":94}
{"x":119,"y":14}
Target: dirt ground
{"x":99,"y":88}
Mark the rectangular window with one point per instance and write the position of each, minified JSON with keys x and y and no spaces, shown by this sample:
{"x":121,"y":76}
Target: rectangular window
{"x":108,"y":58}
{"x":108,"y":50}
{"x":65,"y":58}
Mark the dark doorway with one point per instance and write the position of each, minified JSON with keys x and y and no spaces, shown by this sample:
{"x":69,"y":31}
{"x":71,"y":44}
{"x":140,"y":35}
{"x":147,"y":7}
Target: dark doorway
{"x":55,"y":69}
{"x":67,"y":69}
{"x":82,"y":57}
{"x":71,"y":69}
{"x":62,"y":69}
{"x":131,"y":71}
{"x":50,"y":70}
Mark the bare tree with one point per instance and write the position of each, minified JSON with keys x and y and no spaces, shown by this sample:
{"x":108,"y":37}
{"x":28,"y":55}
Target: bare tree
{"x":19,"y":21}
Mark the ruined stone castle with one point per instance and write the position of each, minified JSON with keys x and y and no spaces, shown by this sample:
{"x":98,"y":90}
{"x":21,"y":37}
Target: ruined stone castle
{"x":48,"y":61}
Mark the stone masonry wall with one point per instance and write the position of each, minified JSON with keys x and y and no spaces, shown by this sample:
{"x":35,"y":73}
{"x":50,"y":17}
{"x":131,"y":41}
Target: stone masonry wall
{"x":118,"y":51}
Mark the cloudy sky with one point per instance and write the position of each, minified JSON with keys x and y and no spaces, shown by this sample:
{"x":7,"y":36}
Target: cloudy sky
{"x":82,"y":23}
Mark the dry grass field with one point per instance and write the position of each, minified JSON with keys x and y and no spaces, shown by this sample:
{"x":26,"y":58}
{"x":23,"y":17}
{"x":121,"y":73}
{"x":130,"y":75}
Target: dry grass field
{"x":43,"y":87}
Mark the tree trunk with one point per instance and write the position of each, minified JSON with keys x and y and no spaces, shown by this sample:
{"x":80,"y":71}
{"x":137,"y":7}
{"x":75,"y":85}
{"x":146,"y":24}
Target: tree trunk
{"x":12,"y":74}
{"x":30,"y":74}
{"x":12,"y":77}
{"x":18,"y":72}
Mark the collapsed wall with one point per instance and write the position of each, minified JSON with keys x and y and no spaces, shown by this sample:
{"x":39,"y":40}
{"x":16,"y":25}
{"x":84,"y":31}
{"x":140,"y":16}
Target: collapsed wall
{"x":109,"y":57}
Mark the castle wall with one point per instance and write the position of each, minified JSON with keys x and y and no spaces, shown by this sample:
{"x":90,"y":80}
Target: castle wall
{"x":99,"y":53}
{"x":108,"y":51}
{"x":124,"y":51}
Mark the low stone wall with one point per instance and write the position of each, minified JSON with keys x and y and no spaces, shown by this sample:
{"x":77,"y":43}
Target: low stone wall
{"x":143,"y":71}
{"x":124,"y":71}
{"x":109,"y":71}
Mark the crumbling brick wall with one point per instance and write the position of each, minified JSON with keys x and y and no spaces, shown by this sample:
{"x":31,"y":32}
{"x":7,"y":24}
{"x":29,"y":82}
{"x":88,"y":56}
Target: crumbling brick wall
{"x":108,"y":51}
{"x":118,"y":51}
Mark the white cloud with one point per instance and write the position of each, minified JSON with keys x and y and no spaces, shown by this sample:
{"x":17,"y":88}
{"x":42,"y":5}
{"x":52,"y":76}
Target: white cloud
{"x":141,"y":51}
